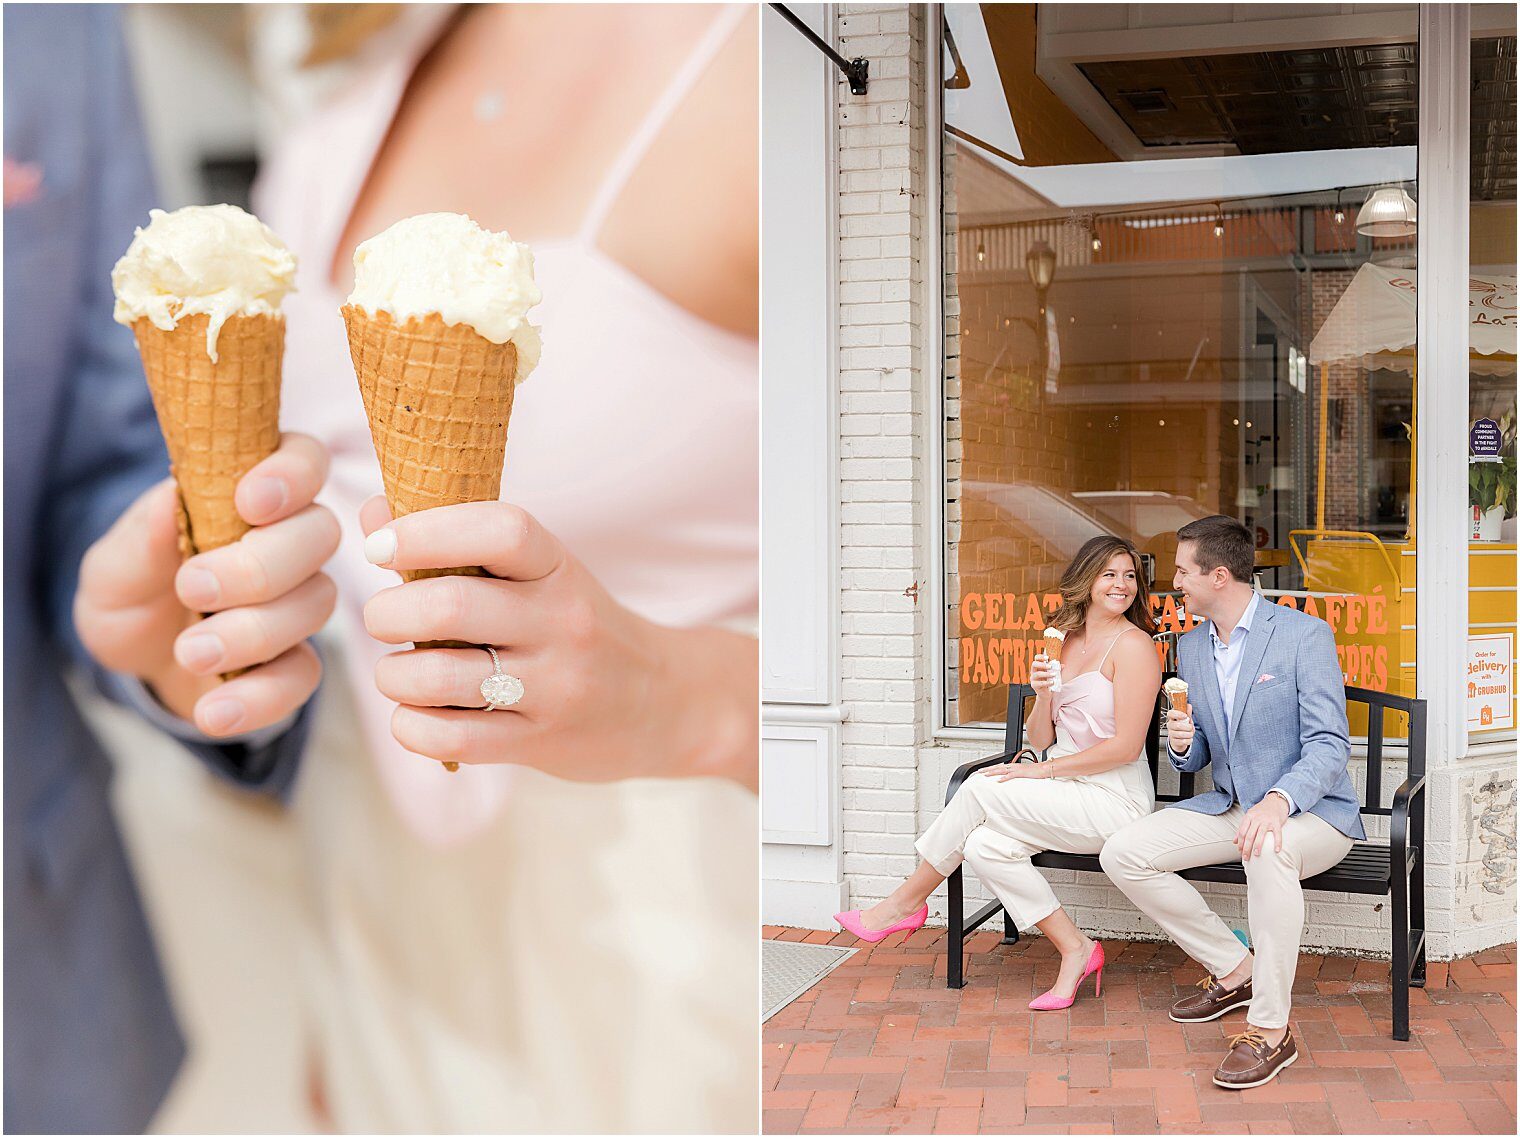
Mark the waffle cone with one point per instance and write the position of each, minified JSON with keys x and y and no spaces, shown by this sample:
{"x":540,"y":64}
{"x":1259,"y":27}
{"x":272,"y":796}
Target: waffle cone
{"x":1176,"y":690}
{"x":219,"y":419}
{"x":438,"y":399}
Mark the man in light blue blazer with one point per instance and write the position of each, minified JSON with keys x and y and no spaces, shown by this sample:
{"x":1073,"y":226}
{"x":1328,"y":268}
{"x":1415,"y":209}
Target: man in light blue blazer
{"x":1268,"y":712}
{"x":91,"y":1042}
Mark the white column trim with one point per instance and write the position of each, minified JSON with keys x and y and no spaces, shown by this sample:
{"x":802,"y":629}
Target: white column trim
{"x":1441,"y":384}
{"x":802,"y":855}
{"x":934,"y":353}
{"x":818,"y":682}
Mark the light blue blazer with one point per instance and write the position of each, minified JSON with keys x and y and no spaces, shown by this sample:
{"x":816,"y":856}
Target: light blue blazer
{"x":1290,"y":731}
{"x":91,"y":1041}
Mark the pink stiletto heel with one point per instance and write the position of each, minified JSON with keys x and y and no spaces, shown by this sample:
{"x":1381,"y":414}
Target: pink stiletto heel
{"x":1050,"y":1000}
{"x":850,"y":920}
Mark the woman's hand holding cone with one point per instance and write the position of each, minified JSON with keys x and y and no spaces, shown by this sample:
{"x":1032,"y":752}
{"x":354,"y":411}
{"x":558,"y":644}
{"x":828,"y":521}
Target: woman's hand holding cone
{"x":138,"y":609}
{"x":607,"y":694}
{"x":1042,"y":674}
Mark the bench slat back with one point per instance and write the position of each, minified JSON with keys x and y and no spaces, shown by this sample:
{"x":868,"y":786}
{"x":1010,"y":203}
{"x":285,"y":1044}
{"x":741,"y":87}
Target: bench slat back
{"x":1021,"y":697}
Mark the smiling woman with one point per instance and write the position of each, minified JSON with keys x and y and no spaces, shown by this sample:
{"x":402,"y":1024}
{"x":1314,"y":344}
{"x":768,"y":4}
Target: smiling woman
{"x":1095,"y":688}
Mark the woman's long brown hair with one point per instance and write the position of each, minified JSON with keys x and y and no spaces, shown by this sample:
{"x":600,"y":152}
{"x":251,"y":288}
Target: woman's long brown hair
{"x":1083,"y":572}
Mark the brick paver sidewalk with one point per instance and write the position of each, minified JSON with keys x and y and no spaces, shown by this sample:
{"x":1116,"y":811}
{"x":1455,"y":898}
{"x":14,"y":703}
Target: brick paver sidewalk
{"x":881,"y":1045}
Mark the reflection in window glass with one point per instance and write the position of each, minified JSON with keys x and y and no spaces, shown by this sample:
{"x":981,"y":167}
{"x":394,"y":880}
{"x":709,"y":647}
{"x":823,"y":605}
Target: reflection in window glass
{"x":1491,"y":389}
{"x":1176,"y":287}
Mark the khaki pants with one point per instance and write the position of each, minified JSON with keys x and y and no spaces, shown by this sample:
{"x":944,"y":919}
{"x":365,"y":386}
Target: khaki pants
{"x":1141,"y":860}
{"x":996,"y":827}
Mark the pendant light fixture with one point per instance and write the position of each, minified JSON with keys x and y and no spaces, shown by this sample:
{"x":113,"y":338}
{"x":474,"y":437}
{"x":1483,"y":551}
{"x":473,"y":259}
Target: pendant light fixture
{"x":1388,"y":213}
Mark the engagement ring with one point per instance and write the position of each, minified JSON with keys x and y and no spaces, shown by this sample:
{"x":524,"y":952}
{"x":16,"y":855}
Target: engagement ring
{"x":500,"y":689}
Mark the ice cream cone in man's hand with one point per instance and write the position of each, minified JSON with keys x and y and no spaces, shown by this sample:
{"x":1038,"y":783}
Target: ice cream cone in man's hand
{"x":215,"y":572}
{"x":1176,"y":690}
{"x":1179,"y":717}
{"x":438,"y":331}
{"x":201,"y":289}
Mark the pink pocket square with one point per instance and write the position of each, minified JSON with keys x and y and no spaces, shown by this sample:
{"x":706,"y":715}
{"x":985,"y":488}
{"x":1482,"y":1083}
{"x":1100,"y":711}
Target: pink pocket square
{"x":23,"y":182}
{"x":1264,"y":677}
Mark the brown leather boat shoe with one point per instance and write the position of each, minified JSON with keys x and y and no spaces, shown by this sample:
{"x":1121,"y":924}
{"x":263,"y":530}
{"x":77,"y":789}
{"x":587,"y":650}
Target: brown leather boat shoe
{"x":1251,"y":1062}
{"x":1214,"y":1001}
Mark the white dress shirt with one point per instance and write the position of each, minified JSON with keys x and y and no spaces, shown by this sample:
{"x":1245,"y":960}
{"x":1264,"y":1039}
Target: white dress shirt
{"x":1227,"y":659}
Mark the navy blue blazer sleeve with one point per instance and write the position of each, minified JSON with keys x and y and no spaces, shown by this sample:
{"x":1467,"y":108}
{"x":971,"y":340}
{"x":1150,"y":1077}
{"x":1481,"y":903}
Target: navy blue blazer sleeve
{"x":110,"y":449}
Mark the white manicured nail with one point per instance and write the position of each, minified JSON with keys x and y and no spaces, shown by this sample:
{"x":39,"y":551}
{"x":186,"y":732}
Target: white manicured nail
{"x":380,"y":547}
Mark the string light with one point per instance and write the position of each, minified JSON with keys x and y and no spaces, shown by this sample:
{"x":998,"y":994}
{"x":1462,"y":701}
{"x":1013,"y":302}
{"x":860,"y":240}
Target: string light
{"x":1340,"y":211}
{"x":1097,"y":244}
{"x":1218,"y":221}
{"x":981,"y":253}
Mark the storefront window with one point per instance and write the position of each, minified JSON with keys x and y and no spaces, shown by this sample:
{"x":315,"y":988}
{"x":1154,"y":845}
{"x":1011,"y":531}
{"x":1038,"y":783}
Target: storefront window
{"x":1176,"y":285}
{"x":1491,"y":389}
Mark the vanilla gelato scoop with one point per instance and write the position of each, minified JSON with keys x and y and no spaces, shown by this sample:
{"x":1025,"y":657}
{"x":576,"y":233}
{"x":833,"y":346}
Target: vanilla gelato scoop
{"x":1176,"y":690}
{"x":449,"y":265}
{"x":217,"y":261}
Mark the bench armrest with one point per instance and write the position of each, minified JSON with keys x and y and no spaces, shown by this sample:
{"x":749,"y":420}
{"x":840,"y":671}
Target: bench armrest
{"x":966,"y":770}
{"x":1398,"y":823}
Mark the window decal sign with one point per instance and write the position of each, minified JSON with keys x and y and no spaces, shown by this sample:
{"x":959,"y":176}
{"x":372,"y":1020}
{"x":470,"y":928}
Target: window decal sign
{"x":1484,"y":438}
{"x":1490,"y":683}
{"x":1000,"y":633}
{"x":1360,"y":624}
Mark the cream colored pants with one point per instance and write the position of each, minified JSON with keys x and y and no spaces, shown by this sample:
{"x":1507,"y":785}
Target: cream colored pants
{"x":586,"y":965}
{"x":996,"y":827}
{"x":1142,"y":859}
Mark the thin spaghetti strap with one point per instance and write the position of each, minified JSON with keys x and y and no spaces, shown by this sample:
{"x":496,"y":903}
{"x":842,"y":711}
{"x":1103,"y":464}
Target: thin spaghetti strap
{"x":1106,"y":651}
{"x":648,"y":131}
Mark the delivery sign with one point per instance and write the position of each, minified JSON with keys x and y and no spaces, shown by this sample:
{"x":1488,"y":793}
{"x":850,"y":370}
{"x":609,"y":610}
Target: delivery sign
{"x":1490,"y":683}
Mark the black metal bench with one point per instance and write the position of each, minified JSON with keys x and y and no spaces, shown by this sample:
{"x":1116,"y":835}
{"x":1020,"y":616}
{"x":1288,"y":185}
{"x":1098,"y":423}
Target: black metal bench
{"x":1396,"y":867}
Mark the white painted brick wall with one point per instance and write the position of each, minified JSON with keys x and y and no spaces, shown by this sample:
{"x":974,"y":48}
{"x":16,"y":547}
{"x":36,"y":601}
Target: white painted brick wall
{"x":893,"y":774}
{"x":881,"y":339}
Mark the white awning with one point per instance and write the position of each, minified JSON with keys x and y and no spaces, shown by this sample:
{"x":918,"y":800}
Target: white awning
{"x":1374,"y":321}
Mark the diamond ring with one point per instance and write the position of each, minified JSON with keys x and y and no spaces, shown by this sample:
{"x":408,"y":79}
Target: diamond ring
{"x":500,"y":689}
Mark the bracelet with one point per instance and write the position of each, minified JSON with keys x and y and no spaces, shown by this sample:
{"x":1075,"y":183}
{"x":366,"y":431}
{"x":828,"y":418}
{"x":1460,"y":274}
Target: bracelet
{"x":1050,"y":763}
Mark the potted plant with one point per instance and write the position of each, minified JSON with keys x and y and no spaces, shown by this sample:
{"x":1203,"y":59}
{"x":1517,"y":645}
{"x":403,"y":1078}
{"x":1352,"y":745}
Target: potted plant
{"x":1491,"y":486}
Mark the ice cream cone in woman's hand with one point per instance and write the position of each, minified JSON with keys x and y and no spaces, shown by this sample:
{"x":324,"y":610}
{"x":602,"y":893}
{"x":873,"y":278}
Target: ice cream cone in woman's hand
{"x":1055,"y":639}
{"x":201,"y":289}
{"x":438,"y":331}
